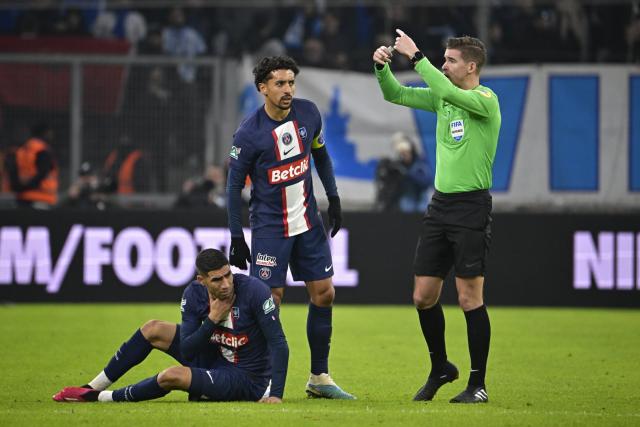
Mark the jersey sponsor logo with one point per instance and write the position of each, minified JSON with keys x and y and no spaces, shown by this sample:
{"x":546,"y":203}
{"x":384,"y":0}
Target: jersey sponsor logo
{"x":235,"y":152}
{"x":266,"y":260}
{"x":457,"y":129}
{"x":268,"y":305}
{"x":287,"y":172}
{"x":265,"y":273}
{"x":303,"y":132}
{"x":229,"y":339}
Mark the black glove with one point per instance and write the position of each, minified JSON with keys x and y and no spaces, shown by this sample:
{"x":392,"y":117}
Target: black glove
{"x":335,"y":214}
{"x":239,"y":253}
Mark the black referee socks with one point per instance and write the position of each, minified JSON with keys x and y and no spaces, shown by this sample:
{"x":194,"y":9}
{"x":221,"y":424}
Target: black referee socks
{"x":432,"y":324}
{"x":479,"y":335}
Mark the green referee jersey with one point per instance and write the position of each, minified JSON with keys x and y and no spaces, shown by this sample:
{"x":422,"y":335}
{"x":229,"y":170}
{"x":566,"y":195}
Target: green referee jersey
{"x":467,"y":129}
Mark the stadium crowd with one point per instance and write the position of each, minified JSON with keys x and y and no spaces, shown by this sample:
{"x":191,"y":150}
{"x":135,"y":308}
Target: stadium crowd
{"x":523,"y":31}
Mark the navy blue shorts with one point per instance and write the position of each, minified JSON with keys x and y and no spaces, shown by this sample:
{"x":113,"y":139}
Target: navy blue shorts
{"x":225,"y":382}
{"x":308,"y":254}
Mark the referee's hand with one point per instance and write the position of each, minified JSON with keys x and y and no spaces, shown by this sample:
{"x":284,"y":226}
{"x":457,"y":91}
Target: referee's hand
{"x":382,"y":55}
{"x":239,"y":253}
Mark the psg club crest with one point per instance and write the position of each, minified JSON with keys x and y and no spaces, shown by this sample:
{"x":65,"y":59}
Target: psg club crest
{"x":287,"y":138}
{"x":265,"y":273}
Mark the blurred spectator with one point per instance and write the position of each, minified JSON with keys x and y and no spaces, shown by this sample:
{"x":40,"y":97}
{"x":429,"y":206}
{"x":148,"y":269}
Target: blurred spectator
{"x":403,"y":182}
{"x":128,"y":24}
{"x":207,"y":191}
{"x":86,"y":192}
{"x":126,"y":169}
{"x":71,"y":23}
{"x":306,"y":23}
{"x":33,"y":171}
{"x":336,"y":43}
{"x":148,"y":116}
{"x":632,"y":33}
{"x":313,"y":54}
{"x":574,"y":28}
{"x":180,"y":40}
{"x":5,"y":185}
{"x":152,"y":44}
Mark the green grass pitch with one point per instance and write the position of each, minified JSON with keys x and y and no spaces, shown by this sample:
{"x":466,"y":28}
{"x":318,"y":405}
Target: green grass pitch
{"x":547,"y":367}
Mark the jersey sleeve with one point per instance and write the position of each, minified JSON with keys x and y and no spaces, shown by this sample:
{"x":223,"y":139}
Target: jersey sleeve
{"x":196,"y":327}
{"x":414,"y":97}
{"x":479,"y":101}
{"x":241,"y":161}
{"x":268,"y":317}
{"x":243,"y":153}
{"x":318,"y":138}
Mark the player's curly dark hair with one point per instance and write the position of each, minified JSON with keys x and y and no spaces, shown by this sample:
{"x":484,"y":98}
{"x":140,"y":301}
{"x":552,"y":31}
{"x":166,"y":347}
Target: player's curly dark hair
{"x":262,"y":71}
{"x":209,"y":260}
{"x":471,"y":48}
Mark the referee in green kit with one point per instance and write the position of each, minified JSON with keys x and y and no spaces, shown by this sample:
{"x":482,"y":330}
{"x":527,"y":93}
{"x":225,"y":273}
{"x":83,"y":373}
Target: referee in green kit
{"x":456,"y":229}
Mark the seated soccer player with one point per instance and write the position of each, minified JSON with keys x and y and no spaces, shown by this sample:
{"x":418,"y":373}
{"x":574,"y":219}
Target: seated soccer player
{"x":230,"y":344}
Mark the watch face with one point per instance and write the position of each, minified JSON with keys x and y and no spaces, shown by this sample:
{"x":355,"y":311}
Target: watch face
{"x":417,"y":57}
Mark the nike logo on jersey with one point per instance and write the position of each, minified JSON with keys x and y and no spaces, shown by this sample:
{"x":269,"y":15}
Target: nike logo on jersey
{"x":326,"y":269}
{"x":288,"y":151}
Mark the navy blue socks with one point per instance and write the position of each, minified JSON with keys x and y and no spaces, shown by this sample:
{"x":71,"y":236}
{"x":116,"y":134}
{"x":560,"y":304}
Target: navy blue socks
{"x":319,"y":337}
{"x":144,"y":390}
{"x":130,"y":354}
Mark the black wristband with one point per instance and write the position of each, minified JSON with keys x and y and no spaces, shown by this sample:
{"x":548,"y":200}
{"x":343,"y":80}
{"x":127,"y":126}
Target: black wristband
{"x":417,"y":57}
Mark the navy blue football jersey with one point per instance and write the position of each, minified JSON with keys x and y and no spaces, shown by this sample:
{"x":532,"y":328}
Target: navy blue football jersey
{"x":241,"y":338}
{"x":277,"y":156}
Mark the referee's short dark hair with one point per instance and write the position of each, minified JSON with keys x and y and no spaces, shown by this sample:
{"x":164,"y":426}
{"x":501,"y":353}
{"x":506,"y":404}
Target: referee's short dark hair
{"x":471,"y":48}
{"x":262,"y":71}
{"x":209,"y":260}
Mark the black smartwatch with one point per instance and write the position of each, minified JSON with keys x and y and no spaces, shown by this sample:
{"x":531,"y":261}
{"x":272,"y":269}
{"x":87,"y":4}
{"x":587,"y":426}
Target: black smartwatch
{"x":417,"y":57}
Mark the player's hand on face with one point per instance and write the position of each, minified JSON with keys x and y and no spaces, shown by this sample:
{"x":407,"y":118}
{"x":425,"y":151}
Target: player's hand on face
{"x":335,"y":214}
{"x":404,"y":44}
{"x":219,"y":308}
{"x":382,"y":55}
{"x":239,"y":253}
{"x":270,"y":399}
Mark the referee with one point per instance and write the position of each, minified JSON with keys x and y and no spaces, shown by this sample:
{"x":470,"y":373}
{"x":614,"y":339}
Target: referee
{"x":456,"y":230}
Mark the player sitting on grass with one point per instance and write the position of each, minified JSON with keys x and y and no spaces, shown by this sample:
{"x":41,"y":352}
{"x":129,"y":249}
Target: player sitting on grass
{"x":230,"y":344}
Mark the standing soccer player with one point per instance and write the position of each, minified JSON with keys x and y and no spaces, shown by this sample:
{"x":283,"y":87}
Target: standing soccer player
{"x":230,"y":344}
{"x":456,"y":228}
{"x":273,"y":147}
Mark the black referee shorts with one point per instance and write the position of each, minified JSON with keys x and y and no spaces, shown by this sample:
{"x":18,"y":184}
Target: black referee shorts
{"x":456,"y":232}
